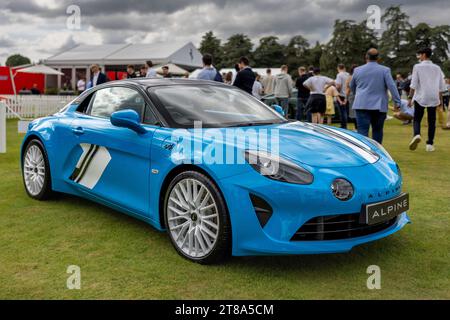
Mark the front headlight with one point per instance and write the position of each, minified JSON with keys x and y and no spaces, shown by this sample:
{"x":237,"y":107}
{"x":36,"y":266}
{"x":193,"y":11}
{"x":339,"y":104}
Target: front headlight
{"x":342,"y":189}
{"x":277,"y":168}
{"x":379,"y":146}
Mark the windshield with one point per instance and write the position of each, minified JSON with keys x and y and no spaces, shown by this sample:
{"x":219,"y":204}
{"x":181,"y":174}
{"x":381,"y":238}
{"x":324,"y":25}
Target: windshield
{"x":214,"y":106}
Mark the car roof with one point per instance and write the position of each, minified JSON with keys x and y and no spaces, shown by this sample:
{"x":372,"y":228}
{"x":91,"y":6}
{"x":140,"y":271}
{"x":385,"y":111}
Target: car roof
{"x":149,"y":82}
{"x":145,"y":83}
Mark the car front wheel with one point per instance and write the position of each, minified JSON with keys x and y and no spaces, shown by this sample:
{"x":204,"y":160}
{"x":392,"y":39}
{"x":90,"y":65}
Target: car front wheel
{"x":196,"y":218}
{"x":36,"y":171}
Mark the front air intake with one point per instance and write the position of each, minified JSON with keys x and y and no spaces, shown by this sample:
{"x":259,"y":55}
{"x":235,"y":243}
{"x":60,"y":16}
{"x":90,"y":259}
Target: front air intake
{"x":263,"y":210}
{"x":336,"y":227}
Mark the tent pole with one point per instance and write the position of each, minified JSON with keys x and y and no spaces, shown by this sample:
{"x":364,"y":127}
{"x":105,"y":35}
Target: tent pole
{"x":13,"y":82}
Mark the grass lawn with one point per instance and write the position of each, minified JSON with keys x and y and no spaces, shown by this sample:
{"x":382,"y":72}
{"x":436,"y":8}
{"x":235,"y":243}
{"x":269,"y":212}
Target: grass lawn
{"x":123,"y":258}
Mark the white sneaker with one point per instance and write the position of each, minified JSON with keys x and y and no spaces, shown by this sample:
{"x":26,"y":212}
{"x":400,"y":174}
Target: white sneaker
{"x":430,"y":148}
{"x":414,"y":142}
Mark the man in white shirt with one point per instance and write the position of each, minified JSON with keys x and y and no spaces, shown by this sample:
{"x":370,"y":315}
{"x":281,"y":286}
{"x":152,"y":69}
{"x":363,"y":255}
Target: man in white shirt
{"x":317,"y":103}
{"x":341,"y":80}
{"x":427,"y":85}
{"x":151,"y":73}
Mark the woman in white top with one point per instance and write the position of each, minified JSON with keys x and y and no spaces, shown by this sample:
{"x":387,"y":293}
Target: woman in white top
{"x":317,"y":102}
{"x":81,"y":85}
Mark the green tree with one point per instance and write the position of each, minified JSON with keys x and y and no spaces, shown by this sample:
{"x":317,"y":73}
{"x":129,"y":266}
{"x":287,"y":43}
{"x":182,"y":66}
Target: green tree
{"x":446,"y":68}
{"x":436,"y":38}
{"x":17,"y":60}
{"x":394,"y":45}
{"x":314,"y":55}
{"x":348,"y":45}
{"x":298,"y":53}
{"x":269,"y":53}
{"x":212,"y":45}
{"x":237,"y":45}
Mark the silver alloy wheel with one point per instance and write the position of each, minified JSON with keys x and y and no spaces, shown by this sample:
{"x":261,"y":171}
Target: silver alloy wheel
{"x":34,"y":170}
{"x":193,"y":218}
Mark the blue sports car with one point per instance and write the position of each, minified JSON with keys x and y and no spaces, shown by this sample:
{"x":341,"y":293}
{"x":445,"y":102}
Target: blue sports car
{"x":222,"y":172}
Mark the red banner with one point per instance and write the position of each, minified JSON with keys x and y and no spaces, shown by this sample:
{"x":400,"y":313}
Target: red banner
{"x":22,"y":81}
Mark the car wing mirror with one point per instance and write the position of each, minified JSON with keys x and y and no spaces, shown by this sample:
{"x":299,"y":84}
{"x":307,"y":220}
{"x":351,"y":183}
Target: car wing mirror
{"x":127,"y":118}
{"x":278,"y":109}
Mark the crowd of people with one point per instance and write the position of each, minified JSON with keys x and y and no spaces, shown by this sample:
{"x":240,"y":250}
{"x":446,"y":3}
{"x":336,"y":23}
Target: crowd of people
{"x":146,"y":70}
{"x":361,"y":95}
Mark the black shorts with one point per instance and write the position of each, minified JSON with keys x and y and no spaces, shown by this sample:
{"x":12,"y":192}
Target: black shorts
{"x":317,"y":103}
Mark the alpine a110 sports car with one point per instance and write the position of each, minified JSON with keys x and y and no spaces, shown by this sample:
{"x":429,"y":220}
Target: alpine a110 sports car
{"x":221,"y":171}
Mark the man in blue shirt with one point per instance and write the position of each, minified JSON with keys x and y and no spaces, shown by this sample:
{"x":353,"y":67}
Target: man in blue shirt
{"x":208,"y":72}
{"x":370,"y":83}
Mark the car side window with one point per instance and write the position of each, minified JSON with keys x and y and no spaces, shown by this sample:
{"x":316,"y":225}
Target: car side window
{"x":109,"y":100}
{"x":149,"y":116}
{"x":84,"y":105}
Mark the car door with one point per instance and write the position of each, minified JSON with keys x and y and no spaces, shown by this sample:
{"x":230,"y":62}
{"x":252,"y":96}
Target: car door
{"x":114,"y":164}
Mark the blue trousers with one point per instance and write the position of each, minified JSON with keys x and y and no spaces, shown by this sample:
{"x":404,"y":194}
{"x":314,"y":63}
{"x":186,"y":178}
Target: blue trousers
{"x":343,"y":110}
{"x":368,"y":118}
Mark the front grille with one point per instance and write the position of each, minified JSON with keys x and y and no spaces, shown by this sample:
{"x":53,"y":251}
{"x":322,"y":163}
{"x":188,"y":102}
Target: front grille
{"x":342,"y":226}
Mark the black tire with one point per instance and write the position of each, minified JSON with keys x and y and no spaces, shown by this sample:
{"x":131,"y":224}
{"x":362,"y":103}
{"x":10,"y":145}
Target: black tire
{"x":46,"y":192}
{"x":221,"y":250}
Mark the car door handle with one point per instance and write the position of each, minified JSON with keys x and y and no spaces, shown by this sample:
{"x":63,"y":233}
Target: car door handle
{"x":78,"y":131}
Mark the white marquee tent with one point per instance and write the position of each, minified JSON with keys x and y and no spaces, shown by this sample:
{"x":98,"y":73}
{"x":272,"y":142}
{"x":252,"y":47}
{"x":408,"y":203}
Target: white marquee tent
{"x":115,"y":57}
{"x":173,"y":69}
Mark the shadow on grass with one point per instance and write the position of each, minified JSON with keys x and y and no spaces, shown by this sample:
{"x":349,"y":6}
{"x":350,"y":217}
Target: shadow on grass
{"x":382,"y":251}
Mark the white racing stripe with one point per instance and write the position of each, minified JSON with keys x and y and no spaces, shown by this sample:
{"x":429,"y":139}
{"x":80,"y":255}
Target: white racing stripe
{"x":95,"y":168}
{"x":85,"y":147}
{"x":352,"y":138}
{"x":359,"y":147}
{"x":91,"y":165}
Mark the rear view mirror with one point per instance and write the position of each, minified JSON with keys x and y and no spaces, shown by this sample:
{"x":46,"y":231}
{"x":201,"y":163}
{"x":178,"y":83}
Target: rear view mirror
{"x":128,"y":118}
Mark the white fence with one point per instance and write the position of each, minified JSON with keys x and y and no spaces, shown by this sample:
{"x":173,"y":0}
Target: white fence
{"x":34,"y":106}
{"x":2,"y":127}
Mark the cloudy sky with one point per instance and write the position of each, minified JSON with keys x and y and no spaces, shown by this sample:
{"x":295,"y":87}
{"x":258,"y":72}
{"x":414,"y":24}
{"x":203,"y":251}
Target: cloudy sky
{"x":38,"y":28}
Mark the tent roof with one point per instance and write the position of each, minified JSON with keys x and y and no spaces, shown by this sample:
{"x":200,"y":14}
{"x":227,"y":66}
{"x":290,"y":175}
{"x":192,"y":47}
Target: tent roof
{"x":87,"y":52}
{"x":41,"y":69}
{"x":142,"y":52}
{"x":185,"y":54}
{"x":173,"y":69}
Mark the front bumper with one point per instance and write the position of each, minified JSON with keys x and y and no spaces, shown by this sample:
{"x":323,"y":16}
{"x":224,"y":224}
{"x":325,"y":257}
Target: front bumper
{"x":293,"y":205}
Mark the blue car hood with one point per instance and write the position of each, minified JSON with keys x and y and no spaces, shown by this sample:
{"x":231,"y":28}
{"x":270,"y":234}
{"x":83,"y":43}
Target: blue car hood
{"x":318,"y":146}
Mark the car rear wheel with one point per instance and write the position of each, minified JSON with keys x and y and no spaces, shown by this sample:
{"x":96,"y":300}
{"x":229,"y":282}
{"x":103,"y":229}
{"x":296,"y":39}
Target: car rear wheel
{"x":36,"y":171}
{"x":196,"y":218}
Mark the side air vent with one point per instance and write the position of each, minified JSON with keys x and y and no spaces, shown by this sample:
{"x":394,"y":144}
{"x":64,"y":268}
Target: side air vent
{"x":263,"y":210}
